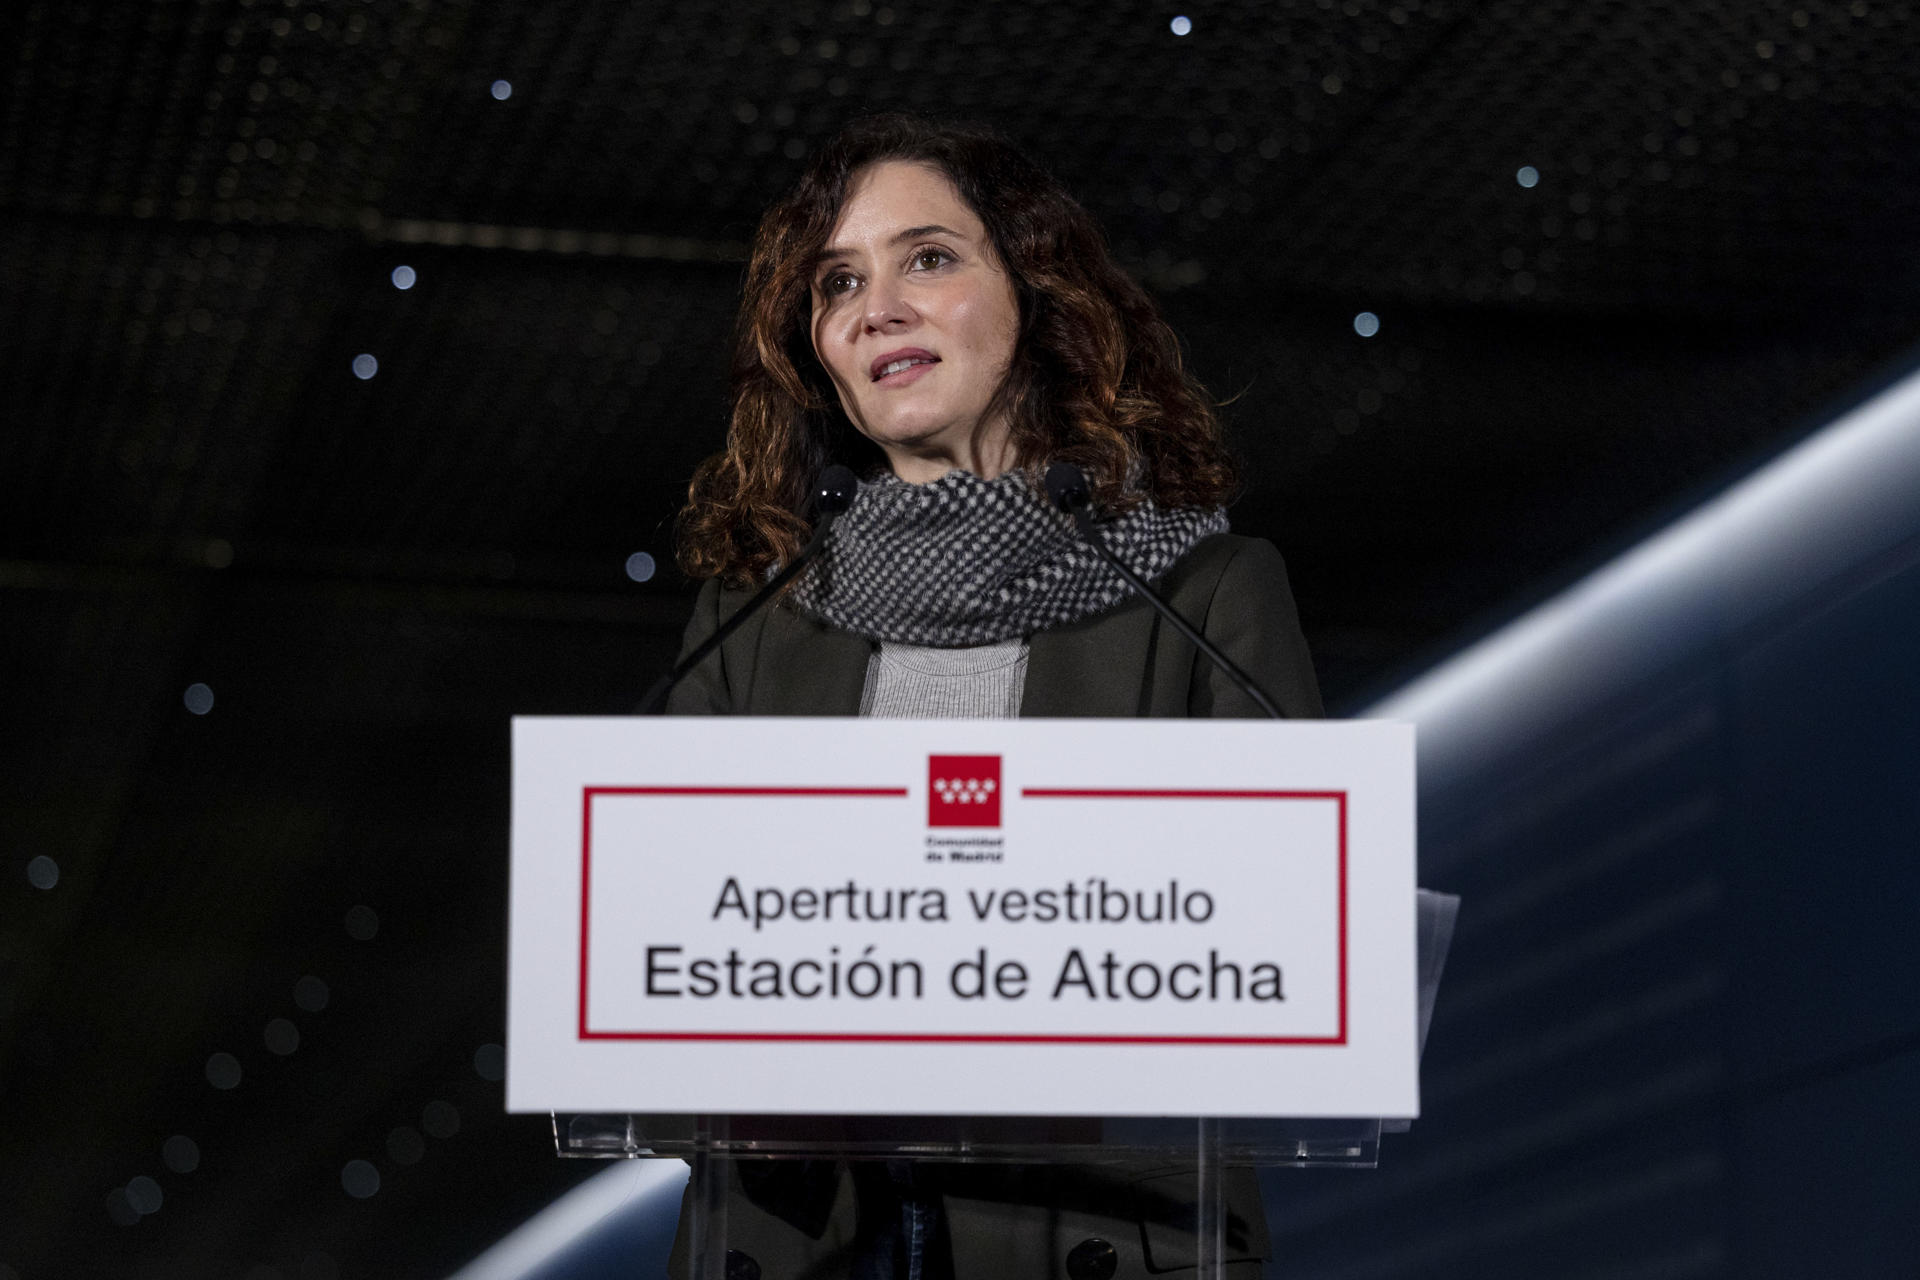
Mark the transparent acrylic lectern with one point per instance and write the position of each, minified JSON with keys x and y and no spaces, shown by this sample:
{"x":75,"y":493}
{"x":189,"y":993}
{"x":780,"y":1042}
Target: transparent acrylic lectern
{"x":1085,"y":1198}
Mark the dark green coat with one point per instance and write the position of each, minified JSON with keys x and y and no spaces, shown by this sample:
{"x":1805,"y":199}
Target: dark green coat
{"x":1124,"y":662}
{"x":809,"y":1219}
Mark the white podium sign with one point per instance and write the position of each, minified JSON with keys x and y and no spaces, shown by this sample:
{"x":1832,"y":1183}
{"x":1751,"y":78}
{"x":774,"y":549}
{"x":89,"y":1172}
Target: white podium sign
{"x":979,"y":917}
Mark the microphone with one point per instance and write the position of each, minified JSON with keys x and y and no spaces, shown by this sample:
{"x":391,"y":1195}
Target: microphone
{"x":1067,"y":487}
{"x":832,"y":494}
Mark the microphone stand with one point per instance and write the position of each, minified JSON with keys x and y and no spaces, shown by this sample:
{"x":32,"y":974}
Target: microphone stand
{"x":1067,"y":486}
{"x":832,"y":495}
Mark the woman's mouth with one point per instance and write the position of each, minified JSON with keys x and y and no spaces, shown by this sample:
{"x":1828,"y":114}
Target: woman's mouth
{"x":895,"y":363}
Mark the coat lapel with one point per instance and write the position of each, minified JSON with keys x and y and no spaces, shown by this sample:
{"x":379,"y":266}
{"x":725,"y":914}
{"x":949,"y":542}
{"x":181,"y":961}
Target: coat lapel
{"x":806,"y":669}
{"x":1096,"y":667}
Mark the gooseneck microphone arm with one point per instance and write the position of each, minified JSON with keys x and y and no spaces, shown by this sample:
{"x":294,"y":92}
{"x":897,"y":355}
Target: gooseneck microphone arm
{"x":832,"y":494}
{"x":1067,"y":487}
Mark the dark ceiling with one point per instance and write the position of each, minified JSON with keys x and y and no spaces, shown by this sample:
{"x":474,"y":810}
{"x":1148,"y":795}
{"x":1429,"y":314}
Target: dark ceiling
{"x":1616,"y":252}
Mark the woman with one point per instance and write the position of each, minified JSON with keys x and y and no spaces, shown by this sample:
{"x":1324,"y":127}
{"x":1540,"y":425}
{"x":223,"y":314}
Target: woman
{"x":930,"y":308}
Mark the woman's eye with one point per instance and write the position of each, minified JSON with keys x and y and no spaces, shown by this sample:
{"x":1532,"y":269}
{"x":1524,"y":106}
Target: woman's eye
{"x":930,"y":259}
{"x":837,"y":283}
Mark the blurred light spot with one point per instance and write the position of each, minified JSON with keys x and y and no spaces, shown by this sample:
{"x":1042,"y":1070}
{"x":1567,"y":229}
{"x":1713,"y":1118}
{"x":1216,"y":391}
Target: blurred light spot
{"x":223,"y":1071}
{"x":1181,"y":25}
{"x":199,"y":699}
{"x":143,"y":1193}
{"x":1528,"y":176}
{"x":218,"y":553}
{"x":359,"y":1179}
{"x":181,"y":1153}
{"x":501,"y":90}
{"x":1330,"y":84}
{"x":440,"y":1119}
{"x":1366,"y":324}
{"x":120,"y":1209}
{"x":403,"y":277}
{"x":640,"y":566}
{"x":362,"y":923}
{"x":490,"y":1062}
{"x":365,"y":366}
{"x":405,"y":1145}
{"x":43,"y":872}
{"x":311,"y":994}
{"x":319,"y":1266}
{"x":282,"y":1037}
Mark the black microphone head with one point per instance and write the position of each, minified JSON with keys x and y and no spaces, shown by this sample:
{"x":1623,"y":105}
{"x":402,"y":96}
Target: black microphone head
{"x":833,"y":491}
{"x":1067,"y":486}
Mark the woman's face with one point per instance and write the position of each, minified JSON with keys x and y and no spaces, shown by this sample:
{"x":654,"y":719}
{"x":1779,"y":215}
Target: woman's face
{"x":915,"y":321}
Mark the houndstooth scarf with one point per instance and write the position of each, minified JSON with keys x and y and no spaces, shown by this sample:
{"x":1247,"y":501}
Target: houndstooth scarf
{"x":966,"y":561}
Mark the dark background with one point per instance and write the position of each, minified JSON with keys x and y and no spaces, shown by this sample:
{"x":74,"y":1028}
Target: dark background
{"x":201,"y":208}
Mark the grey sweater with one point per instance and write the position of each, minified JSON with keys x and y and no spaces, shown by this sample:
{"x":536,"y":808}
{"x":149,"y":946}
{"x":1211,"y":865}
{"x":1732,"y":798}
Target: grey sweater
{"x":909,"y":681}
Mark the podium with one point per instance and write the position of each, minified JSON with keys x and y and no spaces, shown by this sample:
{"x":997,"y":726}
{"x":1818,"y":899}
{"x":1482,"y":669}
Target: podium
{"x":1034,"y":1117}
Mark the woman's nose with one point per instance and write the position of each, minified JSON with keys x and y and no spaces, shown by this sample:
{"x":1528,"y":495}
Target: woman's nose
{"x":886,"y":306}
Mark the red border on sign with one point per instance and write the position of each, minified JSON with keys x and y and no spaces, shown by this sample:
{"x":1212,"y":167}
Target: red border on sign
{"x":587,"y":794}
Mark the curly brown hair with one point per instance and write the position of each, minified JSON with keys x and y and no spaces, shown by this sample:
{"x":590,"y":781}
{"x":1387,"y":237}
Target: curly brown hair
{"x":1096,"y":377}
